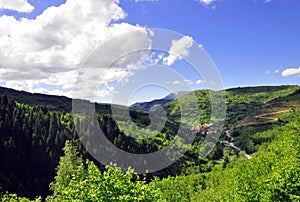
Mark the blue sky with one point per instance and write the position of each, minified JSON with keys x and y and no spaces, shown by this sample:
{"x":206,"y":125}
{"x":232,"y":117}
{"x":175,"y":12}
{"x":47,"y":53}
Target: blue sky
{"x":248,"y":40}
{"x":252,"y":42}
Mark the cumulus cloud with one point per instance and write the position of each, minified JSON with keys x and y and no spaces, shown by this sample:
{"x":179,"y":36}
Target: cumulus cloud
{"x":178,"y":50}
{"x":206,"y":2}
{"x":186,"y":81}
{"x":50,"y":48}
{"x":177,"y":82}
{"x":200,"y":82}
{"x":291,"y":72}
{"x":17,"y":5}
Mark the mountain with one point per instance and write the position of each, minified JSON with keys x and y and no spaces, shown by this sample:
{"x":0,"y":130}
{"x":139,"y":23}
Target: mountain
{"x":240,"y":101}
{"x":52,"y":102}
{"x":146,"y":106}
{"x":35,"y":127}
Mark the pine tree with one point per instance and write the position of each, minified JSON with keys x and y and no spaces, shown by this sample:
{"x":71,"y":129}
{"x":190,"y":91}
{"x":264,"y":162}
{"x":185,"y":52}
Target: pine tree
{"x":4,"y":100}
{"x":53,"y":129}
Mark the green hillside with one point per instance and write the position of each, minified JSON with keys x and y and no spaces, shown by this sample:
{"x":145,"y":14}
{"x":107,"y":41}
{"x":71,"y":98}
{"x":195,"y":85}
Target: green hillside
{"x":272,"y":174}
{"x":34,"y":129}
{"x":240,"y":101}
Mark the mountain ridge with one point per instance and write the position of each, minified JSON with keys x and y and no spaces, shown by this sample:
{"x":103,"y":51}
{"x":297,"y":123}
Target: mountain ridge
{"x":146,"y":106}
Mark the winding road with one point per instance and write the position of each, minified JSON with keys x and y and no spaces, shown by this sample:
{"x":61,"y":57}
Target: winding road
{"x":267,"y":116}
{"x":231,"y":144}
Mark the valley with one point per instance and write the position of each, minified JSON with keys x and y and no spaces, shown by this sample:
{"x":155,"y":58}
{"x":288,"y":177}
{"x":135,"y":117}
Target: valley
{"x":37,"y":131}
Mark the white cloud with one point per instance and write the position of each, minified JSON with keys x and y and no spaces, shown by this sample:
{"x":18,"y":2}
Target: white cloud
{"x":276,"y":71}
{"x":176,"y":82}
{"x":200,"y":82}
{"x":49,"y":49}
{"x":188,"y":82}
{"x":17,"y":5}
{"x":206,"y":2}
{"x":179,"y":50}
{"x":291,"y":72}
{"x":210,"y":2}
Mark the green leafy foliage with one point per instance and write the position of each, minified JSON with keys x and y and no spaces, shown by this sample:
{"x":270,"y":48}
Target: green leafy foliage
{"x":272,"y":174}
{"x":76,"y":181}
{"x":7,"y":197}
{"x":34,"y":130}
{"x":180,"y":188}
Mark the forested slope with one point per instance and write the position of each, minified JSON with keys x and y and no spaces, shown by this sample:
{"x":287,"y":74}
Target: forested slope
{"x":31,"y":141}
{"x":273,"y":174}
{"x":34,"y":130}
